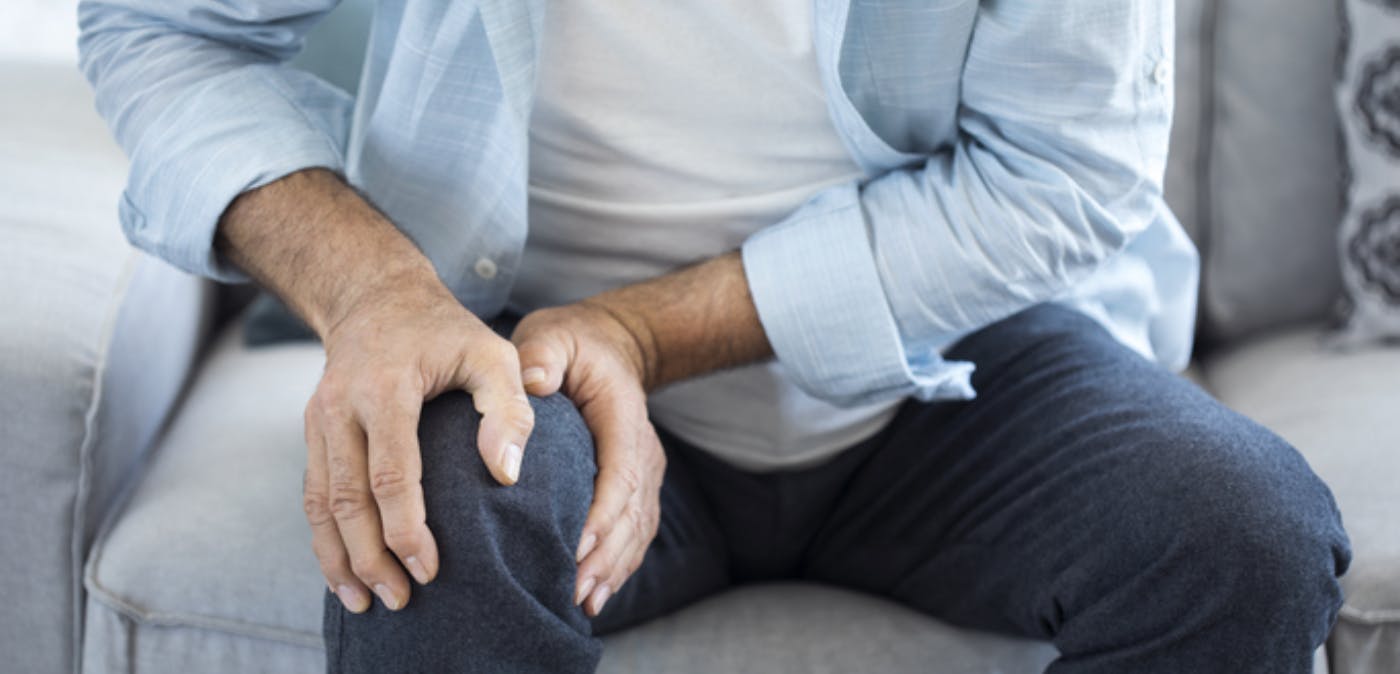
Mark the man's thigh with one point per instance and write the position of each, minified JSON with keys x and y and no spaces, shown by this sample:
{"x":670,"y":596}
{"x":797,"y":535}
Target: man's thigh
{"x":1082,"y":486}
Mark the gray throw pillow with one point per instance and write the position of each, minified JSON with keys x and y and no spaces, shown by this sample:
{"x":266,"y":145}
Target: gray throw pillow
{"x":1368,"y":98}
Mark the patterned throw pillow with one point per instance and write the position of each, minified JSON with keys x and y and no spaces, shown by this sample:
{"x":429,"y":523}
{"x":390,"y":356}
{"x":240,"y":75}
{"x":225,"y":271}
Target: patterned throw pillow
{"x":1368,"y":98}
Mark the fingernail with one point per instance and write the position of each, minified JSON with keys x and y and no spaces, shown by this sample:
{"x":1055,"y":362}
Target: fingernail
{"x":601,"y":597}
{"x":387,"y":596}
{"x":416,"y":568}
{"x":354,"y":600}
{"x":583,"y":589}
{"x":512,"y":462}
{"x":533,"y":375}
{"x":585,"y":546}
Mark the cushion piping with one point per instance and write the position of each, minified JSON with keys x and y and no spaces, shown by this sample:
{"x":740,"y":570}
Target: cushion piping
{"x":146,"y":616}
{"x":85,"y":454}
{"x":1369,"y":616}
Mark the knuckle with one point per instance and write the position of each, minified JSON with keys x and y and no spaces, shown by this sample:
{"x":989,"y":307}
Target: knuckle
{"x":497,"y":352}
{"x":629,"y":477}
{"x":524,"y":416}
{"x":317,"y":511}
{"x":636,"y":515}
{"x":331,"y":394}
{"x":365,"y":566}
{"x":348,"y":503}
{"x":506,"y":353}
{"x":590,"y":567}
{"x":635,"y":512}
{"x":400,"y":538}
{"x":388,"y":482}
{"x":386,"y":390}
{"x":342,"y":471}
{"x":528,"y":349}
{"x":333,"y":570}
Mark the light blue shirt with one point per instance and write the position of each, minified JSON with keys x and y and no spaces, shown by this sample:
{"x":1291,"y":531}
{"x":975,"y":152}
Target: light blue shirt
{"x":1018,"y":149}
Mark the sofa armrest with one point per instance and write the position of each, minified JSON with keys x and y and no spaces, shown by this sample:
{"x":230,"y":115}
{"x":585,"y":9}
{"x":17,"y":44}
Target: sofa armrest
{"x":96,"y":341}
{"x":155,"y":340}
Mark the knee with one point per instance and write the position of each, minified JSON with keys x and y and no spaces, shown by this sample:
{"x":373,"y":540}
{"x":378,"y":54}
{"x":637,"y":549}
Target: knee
{"x":467,"y":508}
{"x":558,"y":453}
{"x":504,"y":590}
{"x":1259,"y":533}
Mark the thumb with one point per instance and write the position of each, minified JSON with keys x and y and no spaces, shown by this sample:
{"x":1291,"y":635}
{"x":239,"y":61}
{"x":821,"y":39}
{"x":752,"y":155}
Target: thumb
{"x":543,"y":360}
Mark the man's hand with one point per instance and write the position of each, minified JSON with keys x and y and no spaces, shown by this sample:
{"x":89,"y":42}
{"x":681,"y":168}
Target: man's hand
{"x":363,"y":468}
{"x":605,"y":353}
{"x":592,"y":356}
{"x":394,"y":336}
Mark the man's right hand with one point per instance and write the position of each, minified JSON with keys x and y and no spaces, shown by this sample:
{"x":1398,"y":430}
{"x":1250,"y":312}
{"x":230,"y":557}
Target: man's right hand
{"x":394,"y":337}
{"x":363,"y":468}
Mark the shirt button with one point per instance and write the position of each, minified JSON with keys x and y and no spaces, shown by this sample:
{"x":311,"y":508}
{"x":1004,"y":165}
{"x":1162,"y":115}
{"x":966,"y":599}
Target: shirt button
{"x":1162,"y":74}
{"x":485,"y":268}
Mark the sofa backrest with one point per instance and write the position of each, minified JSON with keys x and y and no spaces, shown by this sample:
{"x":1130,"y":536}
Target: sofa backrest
{"x":1253,"y":173}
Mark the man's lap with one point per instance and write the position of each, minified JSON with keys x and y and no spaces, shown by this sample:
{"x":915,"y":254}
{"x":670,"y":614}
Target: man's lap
{"x":1078,"y":465}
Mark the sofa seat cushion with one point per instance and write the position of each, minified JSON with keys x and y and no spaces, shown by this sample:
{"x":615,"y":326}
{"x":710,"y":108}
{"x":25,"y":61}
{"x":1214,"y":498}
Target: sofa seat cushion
{"x":212,"y":544}
{"x":796,"y":627}
{"x":1340,"y":409}
{"x":209,"y":567}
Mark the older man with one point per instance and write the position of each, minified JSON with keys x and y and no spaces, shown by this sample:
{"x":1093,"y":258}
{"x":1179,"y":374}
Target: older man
{"x":881,"y":294}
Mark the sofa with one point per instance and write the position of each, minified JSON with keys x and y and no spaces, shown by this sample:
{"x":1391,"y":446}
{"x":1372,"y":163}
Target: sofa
{"x":151,"y":462}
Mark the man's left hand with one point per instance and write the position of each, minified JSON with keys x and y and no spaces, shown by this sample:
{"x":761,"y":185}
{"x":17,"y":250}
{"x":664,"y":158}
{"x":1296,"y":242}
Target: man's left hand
{"x":590,"y":354}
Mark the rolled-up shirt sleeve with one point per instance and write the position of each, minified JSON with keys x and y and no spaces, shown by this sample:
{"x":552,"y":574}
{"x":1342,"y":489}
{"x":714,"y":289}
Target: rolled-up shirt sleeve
{"x":198,"y":98}
{"x":1056,"y":167}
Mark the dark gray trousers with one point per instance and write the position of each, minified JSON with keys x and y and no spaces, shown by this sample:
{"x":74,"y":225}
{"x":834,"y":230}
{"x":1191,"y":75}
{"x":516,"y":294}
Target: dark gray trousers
{"x":1086,"y":497}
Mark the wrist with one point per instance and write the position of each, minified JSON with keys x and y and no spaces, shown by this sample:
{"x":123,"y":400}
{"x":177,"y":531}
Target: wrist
{"x":631,"y":333}
{"x":399,"y":287}
{"x":326,"y":251}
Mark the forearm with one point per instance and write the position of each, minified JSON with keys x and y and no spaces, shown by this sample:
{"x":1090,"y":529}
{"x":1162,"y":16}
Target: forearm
{"x":321,"y":247}
{"x":692,"y":321}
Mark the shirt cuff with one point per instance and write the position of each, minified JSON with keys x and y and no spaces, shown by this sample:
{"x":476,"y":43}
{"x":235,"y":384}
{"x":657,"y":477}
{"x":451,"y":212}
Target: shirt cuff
{"x":237,"y":132}
{"x":819,"y":296}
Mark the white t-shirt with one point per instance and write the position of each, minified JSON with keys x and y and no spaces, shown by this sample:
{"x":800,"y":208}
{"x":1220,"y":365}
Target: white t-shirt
{"x":665,"y":133}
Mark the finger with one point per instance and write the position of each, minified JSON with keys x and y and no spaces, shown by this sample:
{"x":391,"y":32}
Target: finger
{"x":614,"y":423}
{"x":325,"y":537}
{"x":625,"y":545}
{"x":492,"y":376}
{"x":357,"y":516}
{"x":617,"y":482}
{"x":543,"y":360}
{"x":395,"y":480}
{"x":611,"y":491}
{"x":606,"y":566}
{"x":620,"y":553}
